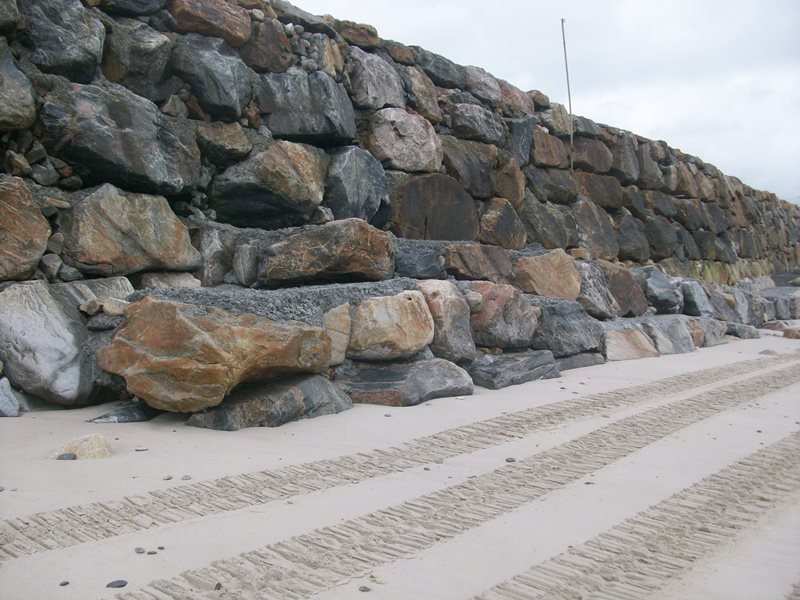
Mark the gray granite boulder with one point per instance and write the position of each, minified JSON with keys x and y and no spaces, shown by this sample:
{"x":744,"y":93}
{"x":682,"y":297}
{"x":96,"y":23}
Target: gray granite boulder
{"x":695,"y":299}
{"x":452,"y":338}
{"x":9,"y":404}
{"x":580,"y":361}
{"x":707,"y":332}
{"x":565,"y":328}
{"x":356,"y":184}
{"x":662,"y":293}
{"x":743,"y":331}
{"x":670,"y":333}
{"x":442,"y":71}
{"x":595,"y":297}
{"x":474,"y":122}
{"x":503,"y":370}
{"x":373,"y":82}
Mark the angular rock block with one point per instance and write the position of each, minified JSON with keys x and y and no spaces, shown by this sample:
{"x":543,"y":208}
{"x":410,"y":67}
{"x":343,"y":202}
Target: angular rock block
{"x":662,"y":293}
{"x":580,"y":361}
{"x":594,"y":296}
{"x":23,"y":230}
{"x":565,"y":328}
{"x":744,"y":332}
{"x":695,"y":299}
{"x":628,"y":344}
{"x":215,"y":18}
{"x":273,"y":404}
{"x":501,"y":226}
{"x":373,"y":82}
{"x":356,"y":184}
{"x":551,"y":274}
{"x":452,"y":337}
{"x":404,"y":384}
{"x":670,"y":333}
{"x":707,"y":332}
{"x":17,"y":98}
{"x":478,"y":262}
{"x":506,"y":318}
{"x":403,"y":140}
{"x":496,"y":372}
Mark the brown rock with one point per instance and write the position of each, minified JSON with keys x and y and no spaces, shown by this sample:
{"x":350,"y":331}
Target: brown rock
{"x":452,"y":337}
{"x":215,"y":18}
{"x":400,"y":53}
{"x":471,"y":164}
{"x":501,"y":225}
{"x":628,"y":344}
{"x":268,"y":49}
{"x":508,"y":182}
{"x":552,"y":274}
{"x":91,"y":446}
{"x":603,"y":190}
{"x":391,"y":327}
{"x":349,"y":250}
{"x":166,"y":280}
{"x":403,"y":140}
{"x":433,"y":207}
{"x":478,"y":262}
{"x":223,"y":143}
{"x":359,"y":34}
{"x":506,"y":318}
{"x":337,"y":323}
{"x":625,"y":289}
{"x":23,"y":230}
{"x":183,"y":358}
{"x":592,"y":155}
{"x":513,"y":101}
{"x":112,"y":232}
{"x":548,"y":151}
{"x":792,"y":334}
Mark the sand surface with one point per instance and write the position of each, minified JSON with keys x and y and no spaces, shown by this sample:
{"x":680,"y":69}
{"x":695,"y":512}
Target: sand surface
{"x":676,"y":477}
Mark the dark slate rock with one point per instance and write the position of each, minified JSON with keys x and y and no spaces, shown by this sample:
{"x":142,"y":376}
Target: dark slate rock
{"x":17,"y":97}
{"x":131,"y":412}
{"x":662,"y":293}
{"x":686,"y":242}
{"x":625,"y":166}
{"x":695,"y":300}
{"x":579,"y":361}
{"x":442,"y":71}
{"x":356,"y":184}
{"x":670,"y":333}
{"x":496,"y":372}
{"x":662,"y":204}
{"x":565,"y":328}
{"x":632,"y":239}
{"x":307,"y":108}
{"x":634,"y":201}
{"x":520,"y":138}
{"x":596,"y":229}
{"x":595,"y":296}
{"x":112,"y":135}
{"x":64,"y":37}
{"x":745,"y":332}
{"x":549,"y":224}
{"x":273,"y":404}
{"x":552,"y":185}
{"x":661,"y":236}
{"x":9,"y":16}
{"x":419,"y":259}
{"x":471,"y":164}
{"x":219,"y":79}
{"x":474,"y":122}
{"x":132,"y":8}
{"x":404,"y":384}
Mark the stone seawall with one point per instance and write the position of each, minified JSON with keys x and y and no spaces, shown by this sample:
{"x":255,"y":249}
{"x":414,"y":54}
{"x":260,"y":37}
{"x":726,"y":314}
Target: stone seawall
{"x":295,"y":197}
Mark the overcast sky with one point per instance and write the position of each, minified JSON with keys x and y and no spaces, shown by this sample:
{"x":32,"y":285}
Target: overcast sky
{"x":719,"y":79}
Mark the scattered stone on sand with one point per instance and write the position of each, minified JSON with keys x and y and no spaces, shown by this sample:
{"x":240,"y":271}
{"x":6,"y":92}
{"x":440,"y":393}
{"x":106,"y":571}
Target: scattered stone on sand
{"x":117,"y":583}
{"x":67,"y":456}
{"x":85,"y":447}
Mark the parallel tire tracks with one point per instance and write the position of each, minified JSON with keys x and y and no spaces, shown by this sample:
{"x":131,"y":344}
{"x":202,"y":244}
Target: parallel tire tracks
{"x":327,"y":557}
{"x":62,"y":528}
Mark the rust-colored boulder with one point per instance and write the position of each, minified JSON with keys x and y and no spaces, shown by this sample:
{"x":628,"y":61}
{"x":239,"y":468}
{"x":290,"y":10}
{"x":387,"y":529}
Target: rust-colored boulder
{"x":349,"y":250}
{"x":184,"y":358}
{"x":603,"y":190}
{"x":592,"y":155}
{"x":625,"y":289}
{"x":552,"y":274}
{"x":548,"y":151}
{"x":268,"y":49}
{"x":506,"y":318}
{"x":390,"y":327}
{"x":508,"y":182}
{"x":23,"y":230}
{"x":501,"y":225}
{"x":478,"y":262}
{"x":215,"y":18}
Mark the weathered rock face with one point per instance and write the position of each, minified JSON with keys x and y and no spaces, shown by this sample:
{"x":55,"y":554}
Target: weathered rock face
{"x":592,"y":155}
{"x":670,"y":334}
{"x":132,"y":8}
{"x":550,"y":225}
{"x":423,"y":97}
{"x":337,"y":323}
{"x":112,"y":232}
{"x":280,"y":186}
{"x":268,"y":49}
{"x":695,"y":300}
{"x":483,"y":86}
{"x":470,"y":163}
{"x":215,"y":18}
{"x":596,"y":230}
{"x":64,"y":37}
{"x":473,"y":122}
{"x":223,"y":143}
{"x":628,"y":344}
{"x":508,"y":181}
{"x":356,"y":184}
{"x":452,"y":337}
{"x":478,"y":262}
{"x":183,"y":358}
{"x":273,"y":404}
{"x":500,"y":371}
{"x":632,"y":239}
{"x":551,"y":274}
{"x":506,"y":318}
{"x":603,"y":190}
{"x":433,"y":207}
{"x":313,"y":108}
{"x":17,"y":100}
{"x":594,"y":296}
{"x":706,"y":332}
{"x":374,"y":84}
{"x":501,"y":225}
{"x":403,"y":140}
{"x":338,"y":251}
{"x":221,"y":82}
{"x":9,"y":403}
{"x":9,"y":16}
{"x":548,"y":151}
{"x":745,"y":332}
{"x":404,"y":384}
{"x":565,"y":328}
{"x":442,"y":71}
{"x":662,"y":293}
{"x":391,"y":327}
{"x":23,"y":230}
{"x":625,"y":289}
{"x":112,"y":135}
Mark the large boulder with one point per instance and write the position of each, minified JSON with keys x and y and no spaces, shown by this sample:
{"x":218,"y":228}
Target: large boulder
{"x":356,"y":184}
{"x":306,"y":108}
{"x":184,"y":358}
{"x":707,"y":332}
{"x":442,"y":71}
{"x":595,"y":297}
{"x":632,"y":239}
{"x":625,"y":289}
{"x":603,"y":190}
{"x":548,"y":224}
{"x":403,"y":140}
{"x":662,"y":236}
{"x":404,"y":384}
{"x":273,"y":404}
{"x":268,"y":49}
{"x":112,"y":232}
{"x":695,"y":299}
{"x":422,"y":94}
{"x":137,"y":57}
{"x":508,"y":181}
{"x":628,"y":344}
{"x":23,"y":230}
{"x":478,"y":262}
{"x":596,"y":229}
{"x":223,"y":143}
{"x":433,"y":207}
{"x":521,"y":132}
{"x":670,"y":333}
{"x":419,"y":259}
{"x":216,"y":18}
{"x":551,"y":274}
{"x":592,"y":155}
{"x":483,"y":86}
{"x":17,"y":99}
{"x":548,"y":151}
{"x":373,"y":82}
{"x":506,"y":318}
{"x":219,"y":79}
{"x":391,"y":327}
{"x":112,"y":135}
{"x":565,"y":328}
{"x":625,"y":165}
{"x":337,"y":251}
{"x":551,"y":185}
{"x":471,"y":164}
{"x":278,"y":187}
{"x":662,"y":293}
{"x":501,"y":225}
{"x":474,"y":122}
{"x":452,"y":336}
{"x":499,"y":371}
{"x":64,"y":37}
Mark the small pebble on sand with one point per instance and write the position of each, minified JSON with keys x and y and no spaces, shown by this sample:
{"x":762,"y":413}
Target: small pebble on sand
{"x":117,"y":583}
{"x":364,"y":588}
{"x":139,"y":550}
{"x":63,"y":583}
{"x":167,"y":477}
{"x":67,"y":456}
{"x":511,"y":459}
{"x":186,"y":477}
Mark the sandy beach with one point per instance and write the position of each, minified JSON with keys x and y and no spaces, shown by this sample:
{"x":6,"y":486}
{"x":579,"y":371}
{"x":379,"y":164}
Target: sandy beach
{"x":675,"y":477}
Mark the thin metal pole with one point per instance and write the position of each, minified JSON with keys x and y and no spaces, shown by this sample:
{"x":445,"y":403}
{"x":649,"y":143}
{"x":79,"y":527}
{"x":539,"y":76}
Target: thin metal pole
{"x":569,"y":94}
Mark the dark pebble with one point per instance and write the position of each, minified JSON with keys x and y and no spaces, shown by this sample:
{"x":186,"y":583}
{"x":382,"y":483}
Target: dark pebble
{"x":63,"y":583}
{"x":117,"y":583}
{"x":510,"y":460}
{"x":218,"y":587}
{"x":426,"y":469}
{"x":186,"y":477}
{"x":67,"y":456}
{"x":139,"y":550}
{"x":161,"y":547}
{"x":151,"y":552}
{"x":167,"y":477}
{"x":364,"y":588}
{"x":438,"y":461}
{"x":2,"y":488}
{"x":387,"y":415}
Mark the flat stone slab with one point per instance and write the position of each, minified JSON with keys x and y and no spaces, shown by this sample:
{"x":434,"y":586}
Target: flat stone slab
{"x":499,"y":371}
